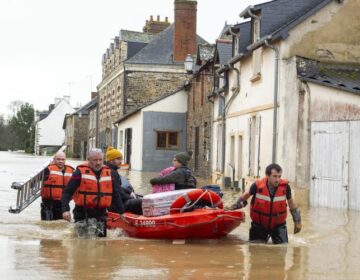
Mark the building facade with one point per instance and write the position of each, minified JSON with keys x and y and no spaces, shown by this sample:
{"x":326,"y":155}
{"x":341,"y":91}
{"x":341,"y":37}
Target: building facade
{"x":139,"y":68}
{"x":293,"y":71}
{"x":150,"y":136}
{"x":49,"y":134}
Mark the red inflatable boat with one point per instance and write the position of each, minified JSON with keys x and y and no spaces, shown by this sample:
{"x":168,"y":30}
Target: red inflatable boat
{"x":200,"y":223}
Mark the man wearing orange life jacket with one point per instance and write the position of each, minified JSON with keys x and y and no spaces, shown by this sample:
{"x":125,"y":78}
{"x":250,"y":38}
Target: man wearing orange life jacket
{"x":92,"y":188}
{"x":56,"y":177}
{"x":268,"y":210}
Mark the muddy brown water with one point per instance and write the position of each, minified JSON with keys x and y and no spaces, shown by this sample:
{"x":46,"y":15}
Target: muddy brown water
{"x":327,"y":248}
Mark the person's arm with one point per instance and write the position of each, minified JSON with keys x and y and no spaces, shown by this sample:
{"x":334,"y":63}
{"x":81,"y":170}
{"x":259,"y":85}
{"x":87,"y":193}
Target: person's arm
{"x":68,"y":192}
{"x":294,"y":210}
{"x":175,"y":176}
{"x":242,"y":201}
{"x":46,"y":174}
{"x":116,"y":198}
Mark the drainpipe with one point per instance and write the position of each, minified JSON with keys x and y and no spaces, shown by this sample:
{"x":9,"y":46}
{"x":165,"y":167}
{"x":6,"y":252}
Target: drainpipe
{"x":220,"y":92}
{"x":276,"y":93}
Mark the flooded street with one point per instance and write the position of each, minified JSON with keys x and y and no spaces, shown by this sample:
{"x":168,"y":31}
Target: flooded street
{"x":328,"y":247}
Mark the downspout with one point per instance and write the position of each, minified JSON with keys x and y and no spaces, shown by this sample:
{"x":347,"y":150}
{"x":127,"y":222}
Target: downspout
{"x":235,"y":91}
{"x":276,"y":93}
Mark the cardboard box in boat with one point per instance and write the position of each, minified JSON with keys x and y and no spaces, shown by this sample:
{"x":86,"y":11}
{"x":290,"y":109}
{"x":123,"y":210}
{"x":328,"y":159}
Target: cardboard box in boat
{"x":158,"y":204}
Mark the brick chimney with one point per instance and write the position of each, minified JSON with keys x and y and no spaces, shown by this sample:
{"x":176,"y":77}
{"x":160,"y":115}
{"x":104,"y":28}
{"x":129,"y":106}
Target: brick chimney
{"x":154,"y":27}
{"x":185,"y":29}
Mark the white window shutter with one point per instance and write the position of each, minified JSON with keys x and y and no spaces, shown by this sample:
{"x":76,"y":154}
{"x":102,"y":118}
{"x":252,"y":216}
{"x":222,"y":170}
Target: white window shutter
{"x":257,"y":146}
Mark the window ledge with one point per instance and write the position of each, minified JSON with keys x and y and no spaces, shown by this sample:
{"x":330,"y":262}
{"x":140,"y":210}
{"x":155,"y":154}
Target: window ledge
{"x":255,"y":78}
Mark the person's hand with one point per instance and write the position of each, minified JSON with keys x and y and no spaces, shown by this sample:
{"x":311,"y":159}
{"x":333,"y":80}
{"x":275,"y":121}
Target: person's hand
{"x":297,"y":227}
{"x":240,"y":203}
{"x":133,"y":195}
{"x":67,"y":216}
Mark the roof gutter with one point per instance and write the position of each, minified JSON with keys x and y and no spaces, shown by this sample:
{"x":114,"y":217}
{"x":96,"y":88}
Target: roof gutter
{"x":248,"y":12}
{"x":259,"y":43}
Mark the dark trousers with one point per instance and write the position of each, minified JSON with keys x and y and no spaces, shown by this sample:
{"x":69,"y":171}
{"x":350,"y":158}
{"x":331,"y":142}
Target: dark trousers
{"x":90,"y":222}
{"x":134,"y":206}
{"x":50,"y":210}
{"x":260,"y":234}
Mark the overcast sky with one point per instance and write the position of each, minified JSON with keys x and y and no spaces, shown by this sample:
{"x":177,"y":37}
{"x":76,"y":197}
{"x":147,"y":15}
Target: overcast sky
{"x":51,"y":48}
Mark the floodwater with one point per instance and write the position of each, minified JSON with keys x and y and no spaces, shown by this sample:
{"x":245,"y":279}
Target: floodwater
{"x":327,"y":248}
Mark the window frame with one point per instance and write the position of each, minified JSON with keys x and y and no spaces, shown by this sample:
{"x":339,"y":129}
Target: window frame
{"x":167,"y":132}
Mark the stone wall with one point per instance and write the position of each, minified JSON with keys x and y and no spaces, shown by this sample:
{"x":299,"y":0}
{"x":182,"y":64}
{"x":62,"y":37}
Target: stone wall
{"x":81,"y":134}
{"x":141,"y":88}
{"x":199,"y":116}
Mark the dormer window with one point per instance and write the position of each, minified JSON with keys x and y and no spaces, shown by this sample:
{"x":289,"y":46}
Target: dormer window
{"x":256,"y":54}
{"x":236,"y":40}
{"x":256,"y":29}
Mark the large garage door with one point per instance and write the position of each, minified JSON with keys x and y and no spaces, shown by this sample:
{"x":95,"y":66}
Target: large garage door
{"x":354,"y":166}
{"x":334,"y":167}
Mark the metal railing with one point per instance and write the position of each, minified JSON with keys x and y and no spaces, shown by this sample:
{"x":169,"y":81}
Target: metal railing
{"x":29,"y":191}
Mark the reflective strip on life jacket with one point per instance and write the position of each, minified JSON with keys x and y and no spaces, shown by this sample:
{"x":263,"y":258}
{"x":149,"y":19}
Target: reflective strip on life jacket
{"x":89,"y":177}
{"x":53,"y":172}
{"x":105,"y":179}
{"x":279,"y":198}
{"x":263,"y":197}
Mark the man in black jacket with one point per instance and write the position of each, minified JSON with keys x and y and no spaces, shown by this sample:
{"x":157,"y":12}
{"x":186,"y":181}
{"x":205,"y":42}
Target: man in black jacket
{"x":95,"y":176}
{"x":131,"y":202}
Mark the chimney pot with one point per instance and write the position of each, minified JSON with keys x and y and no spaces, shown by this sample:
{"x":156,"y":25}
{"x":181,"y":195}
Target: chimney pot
{"x":158,"y":18}
{"x":151,"y":18}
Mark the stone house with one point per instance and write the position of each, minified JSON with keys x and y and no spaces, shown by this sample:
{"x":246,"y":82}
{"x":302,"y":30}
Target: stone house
{"x":293,"y":97}
{"x":200,"y":106}
{"x":151,"y":135}
{"x":49,"y":135}
{"x":76,"y":126}
{"x":140,"y":67}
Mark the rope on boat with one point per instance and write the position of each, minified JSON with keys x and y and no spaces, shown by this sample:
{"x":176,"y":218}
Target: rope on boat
{"x":185,"y":207}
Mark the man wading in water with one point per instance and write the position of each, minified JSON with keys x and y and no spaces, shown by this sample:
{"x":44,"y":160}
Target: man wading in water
{"x":268,"y":208}
{"x":92,"y":188}
{"x":56,"y":177}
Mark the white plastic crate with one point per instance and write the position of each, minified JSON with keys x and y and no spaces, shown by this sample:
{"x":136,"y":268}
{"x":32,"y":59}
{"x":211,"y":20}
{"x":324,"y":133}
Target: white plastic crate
{"x":158,"y":204}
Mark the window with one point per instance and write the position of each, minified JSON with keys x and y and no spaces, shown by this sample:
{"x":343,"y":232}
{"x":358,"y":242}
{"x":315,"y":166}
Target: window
{"x":167,"y":140}
{"x":256,"y":54}
{"x":202,"y":88}
{"x":121,"y":136}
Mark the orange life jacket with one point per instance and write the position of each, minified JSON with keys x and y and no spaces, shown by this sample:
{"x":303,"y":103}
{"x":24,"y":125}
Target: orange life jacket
{"x":56,"y":182}
{"x":94,"y":192}
{"x":267,"y":211}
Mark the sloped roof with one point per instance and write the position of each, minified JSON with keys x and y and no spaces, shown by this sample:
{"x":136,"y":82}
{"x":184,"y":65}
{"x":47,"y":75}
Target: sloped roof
{"x":159,"y":50}
{"x":223,"y":52}
{"x":340,"y":76}
{"x":279,"y":16}
{"x":134,"y":48}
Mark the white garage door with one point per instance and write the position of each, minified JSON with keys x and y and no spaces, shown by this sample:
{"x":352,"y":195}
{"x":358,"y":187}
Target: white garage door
{"x":334,"y":166}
